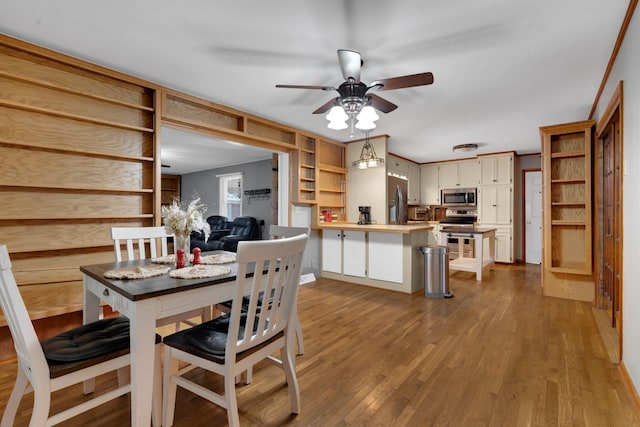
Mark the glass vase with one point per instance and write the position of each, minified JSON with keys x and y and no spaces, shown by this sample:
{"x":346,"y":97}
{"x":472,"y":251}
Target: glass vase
{"x":182,"y":243}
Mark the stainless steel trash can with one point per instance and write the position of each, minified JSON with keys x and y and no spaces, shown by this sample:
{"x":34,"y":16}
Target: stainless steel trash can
{"x":436,"y":271}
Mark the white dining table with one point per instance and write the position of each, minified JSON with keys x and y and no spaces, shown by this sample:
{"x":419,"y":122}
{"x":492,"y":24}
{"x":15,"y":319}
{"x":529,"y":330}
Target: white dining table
{"x":144,"y":301}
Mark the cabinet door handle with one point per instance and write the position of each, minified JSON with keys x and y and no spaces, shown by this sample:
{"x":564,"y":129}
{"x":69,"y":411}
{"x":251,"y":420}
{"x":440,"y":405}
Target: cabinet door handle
{"x":494,"y":205}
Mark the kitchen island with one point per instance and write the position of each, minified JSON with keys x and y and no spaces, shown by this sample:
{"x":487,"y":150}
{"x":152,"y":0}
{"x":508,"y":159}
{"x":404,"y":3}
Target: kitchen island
{"x":380,"y":255}
{"x":481,"y":260}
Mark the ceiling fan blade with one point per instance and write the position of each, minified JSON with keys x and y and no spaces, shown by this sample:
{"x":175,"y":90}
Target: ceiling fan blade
{"x":421,"y":79}
{"x":326,"y":107}
{"x":350,"y":64}
{"x":381,"y":104}
{"x":307,"y":87}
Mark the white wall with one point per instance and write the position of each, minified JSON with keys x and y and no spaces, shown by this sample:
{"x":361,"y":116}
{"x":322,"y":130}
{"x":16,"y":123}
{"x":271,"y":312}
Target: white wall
{"x":627,"y":69}
{"x":367,"y":187}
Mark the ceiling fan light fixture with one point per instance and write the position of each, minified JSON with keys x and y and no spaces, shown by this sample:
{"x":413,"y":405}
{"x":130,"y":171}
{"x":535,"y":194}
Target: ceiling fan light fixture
{"x":337,"y":118}
{"x":465,"y":147}
{"x":368,"y":114}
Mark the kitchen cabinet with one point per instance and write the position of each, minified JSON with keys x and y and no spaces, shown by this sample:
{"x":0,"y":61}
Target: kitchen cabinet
{"x":332,"y":251}
{"x":410,"y":170}
{"x":354,"y":244}
{"x":378,"y":255}
{"x":496,"y":205}
{"x":414,"y":184}
{"x":397,"y":165}
{"x":429,"y":188}
{"x":385,"y":257}
{"x":504,"y":246}
{"x":462,"y":174}
{"x":496,"y":169}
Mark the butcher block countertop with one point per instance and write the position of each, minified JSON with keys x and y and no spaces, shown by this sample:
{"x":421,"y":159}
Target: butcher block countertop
{"x":380,"y":228}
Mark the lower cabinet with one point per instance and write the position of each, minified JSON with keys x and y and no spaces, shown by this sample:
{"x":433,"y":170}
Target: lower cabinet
{"x":354,"y":244}
{"x":504,"y":243}
{"x":385,"y":257}
{"x":332,"y":251}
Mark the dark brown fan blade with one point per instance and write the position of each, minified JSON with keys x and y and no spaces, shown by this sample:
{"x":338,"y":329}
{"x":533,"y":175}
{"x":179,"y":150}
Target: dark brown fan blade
{"x":350,"y":64}
{"x":326,"y":107}
{"x":381,"y":104}
{"x":412,"y":80}
{"x":306,"y":87}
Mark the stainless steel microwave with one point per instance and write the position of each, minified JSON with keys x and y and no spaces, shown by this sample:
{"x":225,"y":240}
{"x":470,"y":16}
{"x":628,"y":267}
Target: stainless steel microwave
{"x":459,"y":197}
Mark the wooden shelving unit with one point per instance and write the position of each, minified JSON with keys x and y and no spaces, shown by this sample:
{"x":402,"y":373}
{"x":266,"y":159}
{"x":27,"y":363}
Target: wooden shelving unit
{"x":170,"y":189}
{"x":567,"y":220}
{"x":303,"y":171}
{"x":332,"y":180}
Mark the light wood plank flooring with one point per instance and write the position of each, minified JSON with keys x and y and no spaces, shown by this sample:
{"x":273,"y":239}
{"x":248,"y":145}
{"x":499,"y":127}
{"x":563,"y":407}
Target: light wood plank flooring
{"x":497,"y":354}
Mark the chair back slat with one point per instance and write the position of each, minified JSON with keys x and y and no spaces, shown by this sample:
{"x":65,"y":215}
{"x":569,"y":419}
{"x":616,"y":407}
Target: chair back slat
{"x":136,"y":239}
{"x":25,"y":339}
{"x":281,"y":231}
{"x":272,"y":294}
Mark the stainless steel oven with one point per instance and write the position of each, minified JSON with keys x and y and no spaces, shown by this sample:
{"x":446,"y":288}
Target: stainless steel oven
{"x":459,"y":218}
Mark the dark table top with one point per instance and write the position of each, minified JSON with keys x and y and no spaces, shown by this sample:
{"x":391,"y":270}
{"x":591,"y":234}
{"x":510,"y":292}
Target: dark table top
{"x":138,"y":289}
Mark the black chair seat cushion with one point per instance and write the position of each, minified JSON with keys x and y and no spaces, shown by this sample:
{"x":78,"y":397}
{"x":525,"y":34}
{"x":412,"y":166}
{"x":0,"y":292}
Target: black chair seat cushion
{"x":88,"y":341}
{"x":207,"y":340}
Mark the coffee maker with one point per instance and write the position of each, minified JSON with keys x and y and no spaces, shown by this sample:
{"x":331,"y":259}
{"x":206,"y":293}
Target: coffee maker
{"x":365,"y":215}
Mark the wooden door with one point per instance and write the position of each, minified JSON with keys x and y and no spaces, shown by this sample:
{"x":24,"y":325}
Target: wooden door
{"x":610,"y":297}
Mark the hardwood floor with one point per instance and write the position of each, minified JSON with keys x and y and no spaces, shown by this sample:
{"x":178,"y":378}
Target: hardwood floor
{"x":497,"y":354}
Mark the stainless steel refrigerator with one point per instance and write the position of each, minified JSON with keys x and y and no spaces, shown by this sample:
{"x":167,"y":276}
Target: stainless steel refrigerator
{"x":397,"y":200}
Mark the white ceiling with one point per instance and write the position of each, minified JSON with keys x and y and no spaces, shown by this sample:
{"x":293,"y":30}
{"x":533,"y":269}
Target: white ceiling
{"x":502,"y":68}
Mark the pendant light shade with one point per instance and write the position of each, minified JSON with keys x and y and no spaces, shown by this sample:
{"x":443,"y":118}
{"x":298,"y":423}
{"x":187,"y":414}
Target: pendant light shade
{"x":368,"y":157}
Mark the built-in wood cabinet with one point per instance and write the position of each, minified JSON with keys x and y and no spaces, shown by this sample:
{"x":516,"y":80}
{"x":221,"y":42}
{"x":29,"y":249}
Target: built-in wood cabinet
{"x":331,"y":180}
{"x":319,"y":177}
{"x":567,"y":210}
{"x":170,"y":189}
{"x":566,"y":156}
{"x":303,"y":171}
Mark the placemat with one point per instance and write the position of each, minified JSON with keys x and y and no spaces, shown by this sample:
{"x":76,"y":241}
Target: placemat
{"x":199,"y":272}
{"x":218,"y":258}
{"x":136,"y":272}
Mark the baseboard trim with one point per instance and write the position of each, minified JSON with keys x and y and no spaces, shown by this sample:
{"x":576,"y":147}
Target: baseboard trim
{"x":633,"y":393}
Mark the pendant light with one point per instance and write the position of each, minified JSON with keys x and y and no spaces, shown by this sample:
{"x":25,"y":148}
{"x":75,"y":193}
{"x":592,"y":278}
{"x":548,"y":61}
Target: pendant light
{"x":368,"y":157}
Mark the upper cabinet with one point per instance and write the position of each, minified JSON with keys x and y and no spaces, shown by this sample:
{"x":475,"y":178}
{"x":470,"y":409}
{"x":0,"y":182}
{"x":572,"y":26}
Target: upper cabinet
{"x":410,"y":170}
{"x":429,"y":188}
{"x":496,"y":169}
{"x":414,"y":183}
{"x":461,"y":174}
{"x":566,"y":162}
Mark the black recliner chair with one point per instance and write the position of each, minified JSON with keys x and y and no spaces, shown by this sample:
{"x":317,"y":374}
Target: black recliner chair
{"x":227,"y":238}
{"x":243,"y":228}
{"x":218,"y":226}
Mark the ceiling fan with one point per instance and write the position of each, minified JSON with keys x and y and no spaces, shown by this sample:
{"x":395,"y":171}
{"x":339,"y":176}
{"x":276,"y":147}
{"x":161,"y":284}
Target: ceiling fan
{"x":354,"y":99}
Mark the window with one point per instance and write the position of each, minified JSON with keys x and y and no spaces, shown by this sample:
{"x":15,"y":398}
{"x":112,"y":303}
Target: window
{"x":231,"y":195}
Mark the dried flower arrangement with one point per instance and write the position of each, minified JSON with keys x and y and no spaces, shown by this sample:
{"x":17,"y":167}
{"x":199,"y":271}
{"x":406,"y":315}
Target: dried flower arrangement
{"x":182,"y":221}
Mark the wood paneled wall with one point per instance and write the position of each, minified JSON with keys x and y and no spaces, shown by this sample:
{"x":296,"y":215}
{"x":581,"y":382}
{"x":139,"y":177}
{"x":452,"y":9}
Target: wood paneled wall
{"x":79,"y":154}
{"x":77,"y":158}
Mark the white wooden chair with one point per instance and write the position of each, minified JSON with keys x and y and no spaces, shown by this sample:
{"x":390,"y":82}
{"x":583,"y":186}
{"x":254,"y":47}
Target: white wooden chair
{"x":136,"y":240}
{"x":232,"y":343}
{"x":64,"y":360}
{"x":278,"y":232}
